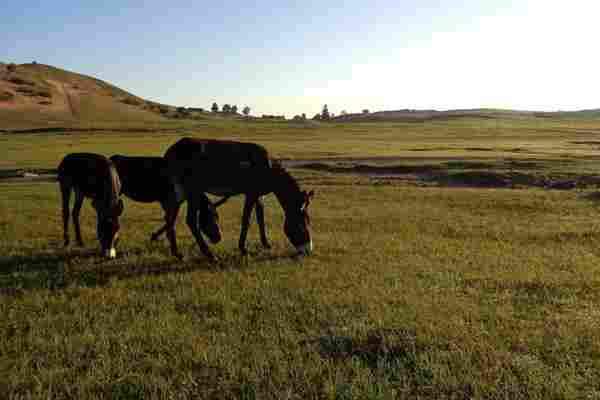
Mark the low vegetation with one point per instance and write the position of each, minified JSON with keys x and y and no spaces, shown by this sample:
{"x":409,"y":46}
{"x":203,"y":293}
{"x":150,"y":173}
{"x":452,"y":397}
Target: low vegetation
{"x":414,"y":291}
{"x":6,"y":96}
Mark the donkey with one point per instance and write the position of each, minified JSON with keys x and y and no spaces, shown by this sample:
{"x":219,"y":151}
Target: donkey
{"x":93,"y":176}
{"x":145,"y":179}
{"x":241,"y":168}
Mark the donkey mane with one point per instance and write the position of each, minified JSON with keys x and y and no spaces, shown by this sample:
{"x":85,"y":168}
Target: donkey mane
{"x":115,"y":184}
{"x":112,"y":189}
{"x":286,"y":187}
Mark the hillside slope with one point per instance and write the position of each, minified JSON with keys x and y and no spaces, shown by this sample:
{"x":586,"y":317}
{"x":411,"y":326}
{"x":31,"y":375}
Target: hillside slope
{"x":38,"y":96}
{"x":481,"y":113}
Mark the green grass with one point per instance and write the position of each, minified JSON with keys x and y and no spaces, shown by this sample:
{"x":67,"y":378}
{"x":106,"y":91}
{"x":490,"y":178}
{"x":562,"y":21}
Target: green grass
{"x":411,"y":293}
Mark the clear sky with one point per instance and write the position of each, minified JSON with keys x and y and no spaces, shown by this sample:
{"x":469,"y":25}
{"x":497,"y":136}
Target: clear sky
{"x":285,"y":57}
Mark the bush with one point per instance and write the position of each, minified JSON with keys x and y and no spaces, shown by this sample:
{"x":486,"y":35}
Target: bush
{"x":12,"y":67}
{"x":25,"y":90}
{"x":132,"y":101}
{"x":5,"y":96}
{"x":20,"y":81}
{"x":43,"y":93}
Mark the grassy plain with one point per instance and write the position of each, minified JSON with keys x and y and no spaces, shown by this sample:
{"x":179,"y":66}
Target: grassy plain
{"x":413,"y":292}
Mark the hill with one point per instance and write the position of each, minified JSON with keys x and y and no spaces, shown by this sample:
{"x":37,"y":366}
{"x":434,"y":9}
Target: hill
{"x":408,"y":115}
{"x":42,"y":96}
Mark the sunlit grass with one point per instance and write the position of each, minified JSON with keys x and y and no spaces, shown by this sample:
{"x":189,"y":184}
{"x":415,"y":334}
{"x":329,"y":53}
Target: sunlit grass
{"x":412,"y":292}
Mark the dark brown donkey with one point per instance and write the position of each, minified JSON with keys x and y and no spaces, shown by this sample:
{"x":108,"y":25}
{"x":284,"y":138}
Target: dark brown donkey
{"x":145,"y":179}
{"x":226,"y":168}
{"x":93,"y":176}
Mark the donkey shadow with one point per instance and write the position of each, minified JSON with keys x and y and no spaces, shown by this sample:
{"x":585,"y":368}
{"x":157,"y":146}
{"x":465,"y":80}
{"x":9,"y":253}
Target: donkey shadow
{"x":56,"y":270}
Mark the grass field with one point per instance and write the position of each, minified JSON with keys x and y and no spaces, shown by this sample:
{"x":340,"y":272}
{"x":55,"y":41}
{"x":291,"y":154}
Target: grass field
{"x":413,"y":292}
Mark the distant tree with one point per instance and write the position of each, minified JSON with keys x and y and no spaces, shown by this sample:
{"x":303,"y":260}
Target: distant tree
{"x":365,"y":111}
{"x":234,"y":109}
{"x":317,"y":117}
{"x":226,"y":108}
{"x":303,"y":116}
{"x":215,"y":108}
{"x":343,"y":113}
{"x":325,"y":113}
{"x":246,"y":111}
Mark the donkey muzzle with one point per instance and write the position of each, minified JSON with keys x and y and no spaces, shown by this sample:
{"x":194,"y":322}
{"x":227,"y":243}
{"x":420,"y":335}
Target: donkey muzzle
{"x":110,"y":253}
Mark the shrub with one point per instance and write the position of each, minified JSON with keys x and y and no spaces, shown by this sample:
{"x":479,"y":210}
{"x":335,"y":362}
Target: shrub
{"x":25,"y":90}
{"x":6,"y":96}
{"x":12,"y":67}
{"x":132,"y":101}
{"x":20,"y":81}
{"x":43,"y":93}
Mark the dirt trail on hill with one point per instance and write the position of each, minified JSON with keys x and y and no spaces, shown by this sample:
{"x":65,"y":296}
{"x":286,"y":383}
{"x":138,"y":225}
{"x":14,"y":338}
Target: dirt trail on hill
{"x":66,"y":100}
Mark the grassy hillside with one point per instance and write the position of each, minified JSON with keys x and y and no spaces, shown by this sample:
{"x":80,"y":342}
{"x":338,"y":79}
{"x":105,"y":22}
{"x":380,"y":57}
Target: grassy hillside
{"x":482,"y":113}
{"x":39,"y":96}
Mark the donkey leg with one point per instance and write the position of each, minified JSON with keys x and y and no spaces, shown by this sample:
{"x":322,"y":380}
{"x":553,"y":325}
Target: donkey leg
{"x":65,"y":190}
{"x":159,"y":232}
{"x":260,"y":220}
{"x":192,"y":222}
{"x":249,"y":203}
{"x":163,"y":229}
{"x":76,"y":212}
{"x":170,"y":219}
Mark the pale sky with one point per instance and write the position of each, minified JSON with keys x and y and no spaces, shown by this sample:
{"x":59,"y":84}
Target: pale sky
{"x":287,"y":58}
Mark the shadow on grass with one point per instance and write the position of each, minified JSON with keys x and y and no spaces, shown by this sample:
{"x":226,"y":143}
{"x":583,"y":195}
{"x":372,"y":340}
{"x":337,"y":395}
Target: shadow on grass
{"x":56,"y":270}
{"x":593,"y":197}
{"x":378,"y":348}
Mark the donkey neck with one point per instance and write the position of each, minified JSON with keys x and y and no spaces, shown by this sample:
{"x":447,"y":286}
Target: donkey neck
{"x":111,"y":189}
{"x":286,"y":190}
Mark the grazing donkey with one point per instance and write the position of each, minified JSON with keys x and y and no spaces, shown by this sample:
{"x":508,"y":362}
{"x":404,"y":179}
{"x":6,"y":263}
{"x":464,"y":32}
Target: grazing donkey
{"x":93,"y":176}
{"x":145,"y":179}
{"x":226,"y":168}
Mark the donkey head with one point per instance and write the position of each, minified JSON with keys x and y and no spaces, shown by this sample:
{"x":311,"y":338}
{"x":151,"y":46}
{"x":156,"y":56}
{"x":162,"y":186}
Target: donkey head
{"x":107,"y":228}
{"x":296,"y":224}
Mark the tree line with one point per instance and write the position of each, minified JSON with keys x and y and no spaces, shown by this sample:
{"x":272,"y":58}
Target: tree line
{"x":229,"y":109}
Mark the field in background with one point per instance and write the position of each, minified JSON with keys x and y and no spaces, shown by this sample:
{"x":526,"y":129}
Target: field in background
{"x":416,"y":288}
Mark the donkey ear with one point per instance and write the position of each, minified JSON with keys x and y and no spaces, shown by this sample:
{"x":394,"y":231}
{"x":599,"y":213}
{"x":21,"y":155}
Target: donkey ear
{"x":120,"y":207}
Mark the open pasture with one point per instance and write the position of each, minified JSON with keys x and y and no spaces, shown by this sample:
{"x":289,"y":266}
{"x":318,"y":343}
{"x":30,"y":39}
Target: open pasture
{"x":428,"y":291}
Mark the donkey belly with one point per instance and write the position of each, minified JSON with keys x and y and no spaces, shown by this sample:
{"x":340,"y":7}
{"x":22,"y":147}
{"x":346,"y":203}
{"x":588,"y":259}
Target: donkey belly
{"x":147,"y":190}
{"x":233,"y":181}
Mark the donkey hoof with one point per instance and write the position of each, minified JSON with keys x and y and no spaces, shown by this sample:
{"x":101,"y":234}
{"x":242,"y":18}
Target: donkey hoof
{"x":243,"y":252}
{"x":267,"y":246}
{"x":179,"y":256}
